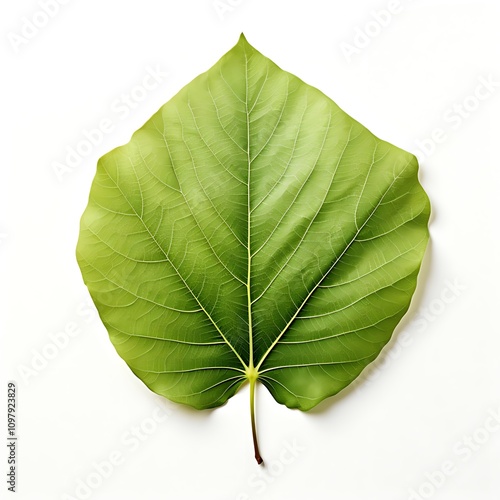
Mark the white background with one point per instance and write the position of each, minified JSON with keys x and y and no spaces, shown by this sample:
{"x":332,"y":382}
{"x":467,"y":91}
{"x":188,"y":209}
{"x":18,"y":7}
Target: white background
{"x":429,"y":400}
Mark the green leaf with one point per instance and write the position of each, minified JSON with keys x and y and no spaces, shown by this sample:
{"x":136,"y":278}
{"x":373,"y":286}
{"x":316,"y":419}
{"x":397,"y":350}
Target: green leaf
{"x":252,"y":230}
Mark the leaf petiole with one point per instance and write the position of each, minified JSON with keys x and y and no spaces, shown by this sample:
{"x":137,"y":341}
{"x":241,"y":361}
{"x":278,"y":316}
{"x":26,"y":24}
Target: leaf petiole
{"x":252,"y":376}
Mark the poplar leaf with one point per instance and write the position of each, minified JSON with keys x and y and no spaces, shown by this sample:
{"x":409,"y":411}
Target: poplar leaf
{"x":252,"y":231}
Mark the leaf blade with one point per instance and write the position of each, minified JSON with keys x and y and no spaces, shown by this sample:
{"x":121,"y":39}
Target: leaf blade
{"x":251,"y":228}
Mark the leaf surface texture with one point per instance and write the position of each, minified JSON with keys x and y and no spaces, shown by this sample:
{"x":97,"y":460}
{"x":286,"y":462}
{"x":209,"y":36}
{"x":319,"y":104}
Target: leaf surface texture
{"x":252,"y":229}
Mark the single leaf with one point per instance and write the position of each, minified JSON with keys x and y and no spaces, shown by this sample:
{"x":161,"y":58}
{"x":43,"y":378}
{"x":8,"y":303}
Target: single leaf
{"x":252,"y":230}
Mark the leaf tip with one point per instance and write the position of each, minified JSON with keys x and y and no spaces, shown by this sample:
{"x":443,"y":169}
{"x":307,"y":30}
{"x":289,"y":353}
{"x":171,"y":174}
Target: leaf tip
{"x":244,"y":45}
{"x":243,"y":41}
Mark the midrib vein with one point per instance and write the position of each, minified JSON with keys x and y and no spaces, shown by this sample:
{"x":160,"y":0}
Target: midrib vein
{"x":249,"y":230}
